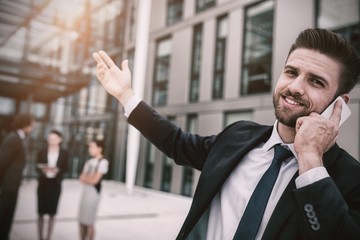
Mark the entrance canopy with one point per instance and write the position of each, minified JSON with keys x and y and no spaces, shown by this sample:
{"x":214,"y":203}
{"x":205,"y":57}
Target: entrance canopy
{"x":44,"y":48}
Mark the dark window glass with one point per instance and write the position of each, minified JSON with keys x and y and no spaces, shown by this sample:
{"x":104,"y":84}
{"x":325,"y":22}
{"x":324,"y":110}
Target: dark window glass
{"x":167,"y":168}
{"x":219,"y":64}
{"x":149,"y":167}
{"x":174,"y":11}
{"x":195,"y":64}
{"x":342,"y":17}
{"x":257,"y":48}
{"x":162,"y":66}
{"x":188,"y":173}
{"x":202,"y":5}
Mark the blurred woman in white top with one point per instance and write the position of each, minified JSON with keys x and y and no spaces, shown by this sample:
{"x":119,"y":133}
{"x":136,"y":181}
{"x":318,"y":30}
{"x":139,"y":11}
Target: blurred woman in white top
{"x":94,"y":170}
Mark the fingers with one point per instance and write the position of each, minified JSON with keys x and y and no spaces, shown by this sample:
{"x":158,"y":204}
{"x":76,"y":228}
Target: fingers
{"x":107,"y":60}
{"x":336,"y":114}
{"x":125,"y":65}
{"x":97,"y":57}
{"x":102,"y":57}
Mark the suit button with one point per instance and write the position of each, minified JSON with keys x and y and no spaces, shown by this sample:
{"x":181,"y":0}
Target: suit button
{"x":315,"y":227}
{"x":310,"y":213}
{"x":308,"y":207}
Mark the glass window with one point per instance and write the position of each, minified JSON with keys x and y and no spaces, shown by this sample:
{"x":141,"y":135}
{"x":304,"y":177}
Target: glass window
{"x":7,"y":106}
{"x":195,"y":64}
{"x":132,"y":21}
{"x":202,"y":5}
{"x":150,"y":161}
{"x":174,"y":11}
{"x":166,"y":174}
{"x":257,"y":48}
{"x":97,"y":99}
{"x":37,"y":109}
{"x":162,"y":65}
{"x":342,"y":17}
{"x":81,"y":101}
{"x":131,"y":59}
{"x":231,"y":117}
{"x":188,"y":173}
{"x":167,"y":168}
{"x":219,"y":64}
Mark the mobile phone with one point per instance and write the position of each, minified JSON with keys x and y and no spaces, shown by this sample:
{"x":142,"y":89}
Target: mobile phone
{"x":345,"y":111}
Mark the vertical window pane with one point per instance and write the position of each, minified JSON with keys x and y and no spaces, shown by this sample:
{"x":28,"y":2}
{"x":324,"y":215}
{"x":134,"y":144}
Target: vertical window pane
{"x":166,"y":174}
{"x":219,"y":65}
{"x":202,"y":5}
{"x":131,"y":59}
{"x":257,"y":49}
{"x":96,"y":99}
{"x":174,"y":11}
{"x":149,"y":171}
{"x":342,"y":17}
{"x":162,"y":65}
{"x":195,"y":64}
{"x":167,"y":168}
{"x":188,"y":173}
{"x":231,"y":117}
{"x":132,"y":22}
{"x":7,"y":106}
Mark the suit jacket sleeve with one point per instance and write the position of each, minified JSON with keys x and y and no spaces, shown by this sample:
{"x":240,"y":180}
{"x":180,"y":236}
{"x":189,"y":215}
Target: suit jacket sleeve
{"x":12,"y":162}
{"x":330,"y":208}
{"x":9,"y":151}
{"x":63,"y":163}
{"x":186,"y":149}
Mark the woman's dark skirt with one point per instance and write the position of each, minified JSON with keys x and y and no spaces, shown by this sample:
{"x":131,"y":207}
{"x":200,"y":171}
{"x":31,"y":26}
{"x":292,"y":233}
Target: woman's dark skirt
{"x":48,"y":195}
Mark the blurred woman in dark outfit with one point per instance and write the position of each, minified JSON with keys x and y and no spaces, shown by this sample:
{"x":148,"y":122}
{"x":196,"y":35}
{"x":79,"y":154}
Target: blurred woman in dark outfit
{"x":52,"y":163}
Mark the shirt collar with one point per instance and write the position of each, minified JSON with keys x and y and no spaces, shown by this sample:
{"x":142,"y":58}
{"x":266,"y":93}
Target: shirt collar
{"x":276,"y":139}
{"x":21,"y":134}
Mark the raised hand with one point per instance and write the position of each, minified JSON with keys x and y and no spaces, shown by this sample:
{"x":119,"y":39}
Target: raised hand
{"x":314,"y":136}
{"x":116,"y":81}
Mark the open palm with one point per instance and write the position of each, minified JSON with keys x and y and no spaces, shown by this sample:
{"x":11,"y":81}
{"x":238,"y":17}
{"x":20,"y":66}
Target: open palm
{"x":116,"y":81}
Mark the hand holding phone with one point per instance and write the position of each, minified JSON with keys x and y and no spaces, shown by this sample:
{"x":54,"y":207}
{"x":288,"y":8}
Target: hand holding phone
{"x":345,"y":110}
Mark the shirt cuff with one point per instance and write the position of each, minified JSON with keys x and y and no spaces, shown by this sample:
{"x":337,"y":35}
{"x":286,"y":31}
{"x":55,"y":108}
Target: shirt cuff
{"x":311,"y":176}
{"x":131,"y":104}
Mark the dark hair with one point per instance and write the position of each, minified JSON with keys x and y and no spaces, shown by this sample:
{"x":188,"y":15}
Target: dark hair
{"x":22,"y":120}
{"x":54,"y":131}
{"x":99,"y":143}
{"x":335,"y":47}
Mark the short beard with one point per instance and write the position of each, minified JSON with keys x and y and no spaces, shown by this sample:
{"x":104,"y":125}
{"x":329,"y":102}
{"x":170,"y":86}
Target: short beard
{"x":287,"y":116}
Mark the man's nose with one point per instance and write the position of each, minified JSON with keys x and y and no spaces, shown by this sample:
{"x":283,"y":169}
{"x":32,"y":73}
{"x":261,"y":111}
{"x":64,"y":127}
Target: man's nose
{"x":297,"y":86}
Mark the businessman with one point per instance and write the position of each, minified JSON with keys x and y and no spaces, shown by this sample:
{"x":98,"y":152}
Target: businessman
{"x":286,"y":181}
{"x":12,"y":161}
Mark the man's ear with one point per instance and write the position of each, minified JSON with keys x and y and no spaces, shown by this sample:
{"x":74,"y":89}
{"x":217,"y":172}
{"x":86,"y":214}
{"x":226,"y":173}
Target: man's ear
{"x":345,"y":97}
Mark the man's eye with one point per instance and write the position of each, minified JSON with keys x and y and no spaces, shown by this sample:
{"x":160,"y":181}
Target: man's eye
{"x":316,"y":82}
{"x":290,"y":72}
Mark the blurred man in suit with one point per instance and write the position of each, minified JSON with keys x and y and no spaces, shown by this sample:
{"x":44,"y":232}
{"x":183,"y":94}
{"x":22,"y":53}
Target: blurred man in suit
{"x":12,"y":161}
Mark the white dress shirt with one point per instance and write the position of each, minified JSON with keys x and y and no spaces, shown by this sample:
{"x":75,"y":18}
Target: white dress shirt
{"x":230,"y":202}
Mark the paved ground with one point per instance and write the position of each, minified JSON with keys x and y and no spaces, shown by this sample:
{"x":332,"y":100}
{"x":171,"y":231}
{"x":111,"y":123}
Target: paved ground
{"x":146,"y":214}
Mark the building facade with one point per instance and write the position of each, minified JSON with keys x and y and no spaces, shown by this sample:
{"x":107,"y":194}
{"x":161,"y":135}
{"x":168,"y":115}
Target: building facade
{"x":211,"y":63}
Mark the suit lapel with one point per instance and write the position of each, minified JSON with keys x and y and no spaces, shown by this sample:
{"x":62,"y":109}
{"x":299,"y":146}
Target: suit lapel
{"x":230,"y":148}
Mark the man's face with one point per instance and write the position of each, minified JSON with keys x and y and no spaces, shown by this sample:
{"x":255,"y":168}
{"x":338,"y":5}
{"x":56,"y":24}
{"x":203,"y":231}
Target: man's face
{"x":28,"y":129}
{"x":307,"y":84}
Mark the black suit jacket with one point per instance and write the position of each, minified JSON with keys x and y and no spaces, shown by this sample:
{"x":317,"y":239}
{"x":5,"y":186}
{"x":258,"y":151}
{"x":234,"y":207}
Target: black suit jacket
{"x":12,"y":162}
{"x":327,"y":209}
{"x":62,"y":163}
